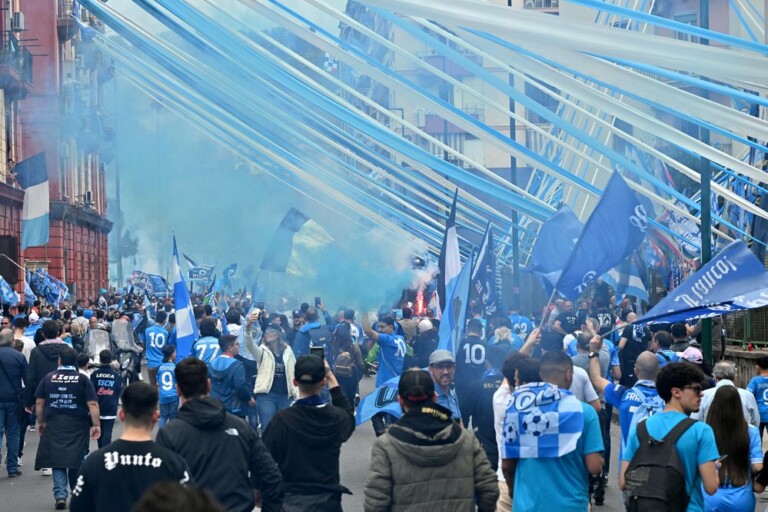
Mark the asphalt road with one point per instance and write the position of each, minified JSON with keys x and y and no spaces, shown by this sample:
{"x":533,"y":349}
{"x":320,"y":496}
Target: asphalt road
{"x":33,"y":492}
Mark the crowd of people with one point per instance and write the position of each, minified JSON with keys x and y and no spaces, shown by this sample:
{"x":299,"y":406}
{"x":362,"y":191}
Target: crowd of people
{"x":255,"y":412}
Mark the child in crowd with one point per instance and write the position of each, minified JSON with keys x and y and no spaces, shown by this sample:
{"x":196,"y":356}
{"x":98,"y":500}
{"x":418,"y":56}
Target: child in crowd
{"x":166,"y":384}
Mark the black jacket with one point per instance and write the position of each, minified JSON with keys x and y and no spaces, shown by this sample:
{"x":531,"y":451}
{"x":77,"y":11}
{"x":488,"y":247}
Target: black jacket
{"x":15,"y":369}
{"x":43,"y":359}
{"x":305,"y":440}
{"x":221,"y":449}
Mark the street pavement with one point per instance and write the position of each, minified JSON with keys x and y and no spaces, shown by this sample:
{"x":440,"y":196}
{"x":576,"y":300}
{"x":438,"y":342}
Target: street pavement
{"x":33,"y":492}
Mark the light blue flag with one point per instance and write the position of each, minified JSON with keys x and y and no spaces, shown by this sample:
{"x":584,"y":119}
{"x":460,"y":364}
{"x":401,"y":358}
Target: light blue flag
{"x":186,"y":327}
{"x":549,"y":257}
{"x":149,"y":308}
{"x":453,"y":320}
{"x":6,"y":292}
{"x":733,"y":280}
{"x":32,"y":176}
{"x":381,"y":399}
{"x":614,"y":231}
{"x":29,"y":295}
{"x":542,"y":422}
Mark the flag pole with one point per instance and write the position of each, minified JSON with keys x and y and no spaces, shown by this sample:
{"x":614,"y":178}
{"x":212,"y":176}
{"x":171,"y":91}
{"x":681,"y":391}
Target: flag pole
{"x":9,"y":259}
{"x":551,"y":298}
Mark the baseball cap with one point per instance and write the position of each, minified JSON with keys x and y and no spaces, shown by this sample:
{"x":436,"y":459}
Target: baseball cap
{"x":692,"y":355}
{"x":309,"y":369}
{"x":297,"y":313}
{"x":33,"y":317}
{"x":441,"y":356}
{"x":425,"y":325}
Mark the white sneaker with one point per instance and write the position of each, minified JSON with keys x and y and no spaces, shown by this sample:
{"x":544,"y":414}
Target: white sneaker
{"x":47,"y":471}
{"x":31,"y":428}
{"x":19,"y":463}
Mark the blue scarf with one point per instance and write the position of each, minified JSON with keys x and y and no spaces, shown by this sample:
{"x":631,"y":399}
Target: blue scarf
{"x":306,"y":327}
{"x":542,"y":421}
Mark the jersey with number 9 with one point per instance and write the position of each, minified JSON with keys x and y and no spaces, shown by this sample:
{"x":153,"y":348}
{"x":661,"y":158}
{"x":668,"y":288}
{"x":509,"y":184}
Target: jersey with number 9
{"x":166,"y":382}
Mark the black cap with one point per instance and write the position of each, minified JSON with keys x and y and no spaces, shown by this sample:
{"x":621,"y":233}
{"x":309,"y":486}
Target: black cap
{"x":310,"y":369}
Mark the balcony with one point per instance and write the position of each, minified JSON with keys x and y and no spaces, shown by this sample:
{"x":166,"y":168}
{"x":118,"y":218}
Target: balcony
{"x":543,"y":5}
{"x":15,"y":68}
{"x":445,"y":65}
{"x":436,"y":125}
{"x":66,"y":24}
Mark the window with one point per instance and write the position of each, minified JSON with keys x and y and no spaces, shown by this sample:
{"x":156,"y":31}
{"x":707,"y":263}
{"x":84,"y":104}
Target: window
{"x":539,"y":96}
{"x":689,"y":18}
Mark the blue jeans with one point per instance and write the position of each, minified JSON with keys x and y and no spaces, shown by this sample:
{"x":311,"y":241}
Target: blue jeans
{"x":267,"y":405}
{"x":62,"y":478}
{"x":9,"y":425}
{"x":168,"y":412}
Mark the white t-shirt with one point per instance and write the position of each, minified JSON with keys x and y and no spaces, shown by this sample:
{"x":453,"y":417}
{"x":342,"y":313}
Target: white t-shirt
{"x":581,"y":387}
{"x":501,"y":402}
{"x":29,"y":344}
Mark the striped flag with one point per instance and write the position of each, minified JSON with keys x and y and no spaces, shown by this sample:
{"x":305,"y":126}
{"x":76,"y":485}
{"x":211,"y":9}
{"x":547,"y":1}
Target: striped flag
{"x":186,"y":327}
{"x":32,"y":175}
{"x":296,"y":246}
{"x":627,"y":279}
{"x":449,"y":263}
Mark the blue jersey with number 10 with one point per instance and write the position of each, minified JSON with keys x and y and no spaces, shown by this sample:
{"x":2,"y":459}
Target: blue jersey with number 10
{"x":166,"y":383}
{"x":155,"y":338}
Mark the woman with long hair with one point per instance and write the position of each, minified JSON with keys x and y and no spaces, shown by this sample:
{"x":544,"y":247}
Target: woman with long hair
{"x":347,"y":359}
{"x":274,"y":387}
{"x":739,"y":444}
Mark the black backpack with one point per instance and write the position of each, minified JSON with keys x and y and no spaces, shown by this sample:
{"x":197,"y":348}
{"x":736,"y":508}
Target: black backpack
{"x":655,"y":479}
{"x":320,"y":336}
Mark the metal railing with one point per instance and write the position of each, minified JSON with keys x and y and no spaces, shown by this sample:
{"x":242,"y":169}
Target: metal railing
{"x":16,"y":57}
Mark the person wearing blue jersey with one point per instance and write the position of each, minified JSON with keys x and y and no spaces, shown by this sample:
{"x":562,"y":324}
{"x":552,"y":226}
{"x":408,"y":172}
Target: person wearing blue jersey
{"x":155,"y":338}
{"x":521,"y":325}
{"x":391,"y":358}
{"x":758,"y":386}
{"x":207,"y":347}
{"x":166,"y":384}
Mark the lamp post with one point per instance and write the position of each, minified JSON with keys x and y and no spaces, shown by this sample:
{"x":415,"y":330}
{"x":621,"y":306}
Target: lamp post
{"x":515,"y":218}
{"x":706,"y":197}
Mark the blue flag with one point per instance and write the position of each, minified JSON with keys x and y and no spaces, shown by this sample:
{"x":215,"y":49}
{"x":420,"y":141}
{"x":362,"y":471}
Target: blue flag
{"x":296,"y":246}
{"x":485,"y":288}
{"x":186,"y":327}
{"x":628,"y":278}
{"x":6,"y":292}
{"x":381,"y":399}
{"x":542,"y":422}
{"x":449,"y":262}
{"x":452,"y":324}
{"x":32,"y":176}
{"x":732,"y":281}
{"x":548,"y":257}
{"x":227,"y":275}
{"x":614,"y":231}
{"x":29,"y":295}
{"x":159,"y":286}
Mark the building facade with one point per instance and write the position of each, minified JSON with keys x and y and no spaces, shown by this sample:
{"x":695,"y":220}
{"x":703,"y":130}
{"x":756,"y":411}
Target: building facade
{"x":51,"y":77}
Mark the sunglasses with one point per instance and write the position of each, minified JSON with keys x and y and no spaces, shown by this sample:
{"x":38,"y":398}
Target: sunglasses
{"x":696,"y":389}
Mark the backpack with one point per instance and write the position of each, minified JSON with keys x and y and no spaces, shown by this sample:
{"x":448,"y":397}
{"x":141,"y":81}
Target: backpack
{"x":320,"y":336}
{"x":343,"y":366}
{"x":669,"y":357}
{"x":655,"y":479}
{"x":650,"y":405}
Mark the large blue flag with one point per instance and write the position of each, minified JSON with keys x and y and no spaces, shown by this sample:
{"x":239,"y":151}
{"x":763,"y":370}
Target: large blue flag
{"x":732,"y":281}
{"x":548,"y":257}
{"x":227,"y":275}
{"x":381,"y":399}
{"x":159,"y":286}
{"x":186,"y":327}
{"x":614,"y":231}
{"x":449,"y":262}
{"x":485,"y":287}
{"x":29,"y":295}
{"x":452,"y":323}
{"x":6,"y":292}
